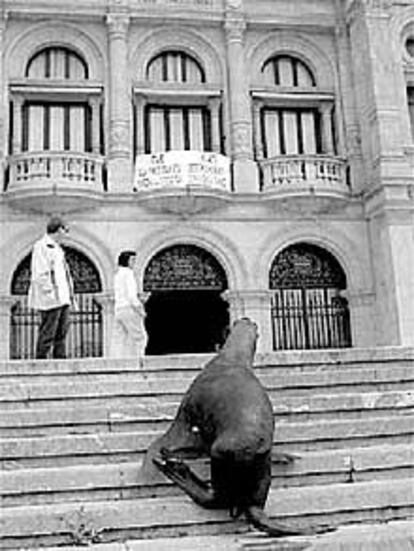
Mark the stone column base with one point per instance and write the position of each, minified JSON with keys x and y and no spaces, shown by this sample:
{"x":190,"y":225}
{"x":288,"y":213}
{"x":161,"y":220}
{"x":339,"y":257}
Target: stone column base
{"x":120,"y":176}
{"x":253,"y":304}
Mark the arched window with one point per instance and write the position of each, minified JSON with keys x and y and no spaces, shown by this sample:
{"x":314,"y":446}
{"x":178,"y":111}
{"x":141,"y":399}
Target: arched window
{"x":308,"y":306}
{"x":175,"y":66}
{"x":290,"y":125}
{"x":57,"y":63}
{"x":85,"y":333}
{"x":180,"y":121}
{"x":52,"y":122}
{"x":287,"y":71}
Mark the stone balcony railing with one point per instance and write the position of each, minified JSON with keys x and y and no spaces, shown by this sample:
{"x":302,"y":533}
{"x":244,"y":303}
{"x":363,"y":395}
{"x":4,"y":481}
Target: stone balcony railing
{"x":48,"y":180}
{"x":305,"y":174}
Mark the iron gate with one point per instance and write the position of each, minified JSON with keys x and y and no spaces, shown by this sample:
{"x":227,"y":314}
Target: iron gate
{"x":85,"y":337}
{"x":308,"y":310}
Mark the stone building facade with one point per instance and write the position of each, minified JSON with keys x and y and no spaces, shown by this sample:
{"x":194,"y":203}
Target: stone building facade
{"x":257,"y":154}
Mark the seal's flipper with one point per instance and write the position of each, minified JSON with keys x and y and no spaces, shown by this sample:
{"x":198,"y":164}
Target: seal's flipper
{"x":180,"y":473}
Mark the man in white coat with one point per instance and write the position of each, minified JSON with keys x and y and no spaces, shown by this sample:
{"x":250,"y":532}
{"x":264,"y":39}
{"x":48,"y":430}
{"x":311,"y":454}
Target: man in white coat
{"x":51,"y":290}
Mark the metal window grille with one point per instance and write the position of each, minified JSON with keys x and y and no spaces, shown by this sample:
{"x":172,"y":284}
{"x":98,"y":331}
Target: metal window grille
{"x":85,"y":332}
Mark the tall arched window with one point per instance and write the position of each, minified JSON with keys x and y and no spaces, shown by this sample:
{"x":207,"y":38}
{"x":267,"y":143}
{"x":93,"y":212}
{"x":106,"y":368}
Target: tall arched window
{"x":290,"y":126}
{"x":56,"y":122}
{"x":85,"y":332}
{"x":308,"y":306}
{"x":178,"y":116}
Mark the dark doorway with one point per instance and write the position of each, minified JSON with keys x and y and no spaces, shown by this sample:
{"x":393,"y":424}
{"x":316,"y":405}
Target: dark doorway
{"x":185,"y":322}
{"x":186,"y":313}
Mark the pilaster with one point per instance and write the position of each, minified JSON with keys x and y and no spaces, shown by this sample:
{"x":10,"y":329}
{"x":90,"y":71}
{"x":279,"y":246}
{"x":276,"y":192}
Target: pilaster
{"x":140,"y":102}
{"x":95,"y":103}
{"x":380,"y":90}
{"x":6,"y":303}
{"x":120,"y":139}
{"x":363,"y":325}
{"x":3,"y":111}
{"x":245,"y":169}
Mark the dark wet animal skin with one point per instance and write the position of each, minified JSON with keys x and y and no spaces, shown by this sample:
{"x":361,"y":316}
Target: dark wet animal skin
{"x":225,"y":415}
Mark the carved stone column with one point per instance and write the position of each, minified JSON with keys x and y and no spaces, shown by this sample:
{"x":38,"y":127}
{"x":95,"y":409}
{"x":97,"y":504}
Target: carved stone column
{"x":140,"y":102}
{"x":254,"y":304}
{"x":119,"y":151}
{"x":245,"y":169}
{"x":17,"y":123}
{"x":95,"y":104}
{"x":258,"y":143}
{"x":214,"y":106}
{"x":6,"y":303}
{"x":327,"y":137}
{"x":3,"y":107}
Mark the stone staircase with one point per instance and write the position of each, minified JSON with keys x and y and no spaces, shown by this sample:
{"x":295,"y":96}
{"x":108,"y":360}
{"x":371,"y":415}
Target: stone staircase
{"x":73,"y":435}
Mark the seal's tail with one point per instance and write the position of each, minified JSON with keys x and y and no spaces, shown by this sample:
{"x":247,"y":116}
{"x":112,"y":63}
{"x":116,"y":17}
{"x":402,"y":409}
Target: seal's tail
{"x":261,"y":521}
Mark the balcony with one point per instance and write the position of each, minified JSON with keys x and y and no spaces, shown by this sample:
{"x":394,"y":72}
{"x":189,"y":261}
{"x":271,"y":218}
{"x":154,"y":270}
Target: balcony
{"x":182,"y":182}
{"x":310,"y":183}
{"x":54,"y":181}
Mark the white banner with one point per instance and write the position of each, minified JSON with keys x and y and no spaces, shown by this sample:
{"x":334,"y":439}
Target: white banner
{"x":181,"y":169}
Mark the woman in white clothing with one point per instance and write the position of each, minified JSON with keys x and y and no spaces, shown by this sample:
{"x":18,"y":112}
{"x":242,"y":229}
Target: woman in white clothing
{"x":130,"y":337}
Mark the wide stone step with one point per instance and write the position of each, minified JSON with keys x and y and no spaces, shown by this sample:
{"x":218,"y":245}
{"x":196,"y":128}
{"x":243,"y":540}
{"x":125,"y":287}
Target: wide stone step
{"x":152,"y":411}
{"x":392,"y":536}
{"x":35,"y":525}
{"x":125,"y":480}
{"x":302,"y":360}
{"x":398,"y":378}
{"x":118,"y":446}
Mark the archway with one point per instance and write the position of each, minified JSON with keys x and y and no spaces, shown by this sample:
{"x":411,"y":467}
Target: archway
{"x":185,"y":311}
{"x":85,"y":333}
{"x":308,"y":307}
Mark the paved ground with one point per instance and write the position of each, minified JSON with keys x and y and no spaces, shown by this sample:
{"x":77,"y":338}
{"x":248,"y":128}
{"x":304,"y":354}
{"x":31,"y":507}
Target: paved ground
{"x":392,"y":536}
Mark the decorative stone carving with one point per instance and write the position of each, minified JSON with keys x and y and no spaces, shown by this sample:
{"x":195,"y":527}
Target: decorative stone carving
{"x":235,"y":29}
{"x":118,"y":24}
{"x":241,"y":139}
{"x":119,"y":137}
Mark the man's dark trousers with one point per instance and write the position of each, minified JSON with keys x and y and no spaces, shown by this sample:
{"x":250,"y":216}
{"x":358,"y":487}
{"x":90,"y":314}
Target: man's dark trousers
{"x":54,"y":325}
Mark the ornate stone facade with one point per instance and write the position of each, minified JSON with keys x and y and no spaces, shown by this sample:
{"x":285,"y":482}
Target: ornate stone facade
{"x":254,"y":105}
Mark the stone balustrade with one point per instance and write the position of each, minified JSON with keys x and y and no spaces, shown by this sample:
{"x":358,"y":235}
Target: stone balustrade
{"x":55,"y":170}
{"x":295,"y":174}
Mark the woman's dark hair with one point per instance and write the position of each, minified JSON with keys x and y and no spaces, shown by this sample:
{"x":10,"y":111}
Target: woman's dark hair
{"x":123,"y":258}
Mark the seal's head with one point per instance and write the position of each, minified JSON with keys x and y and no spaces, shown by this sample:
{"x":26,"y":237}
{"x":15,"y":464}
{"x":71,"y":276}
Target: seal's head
{"x":240,"y":345}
